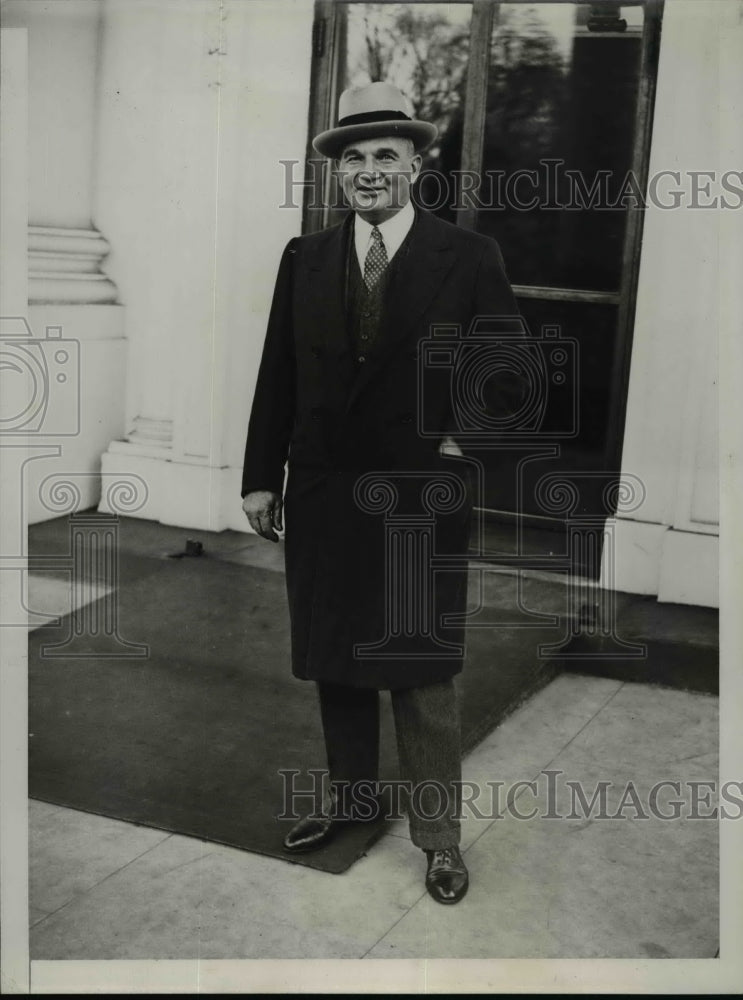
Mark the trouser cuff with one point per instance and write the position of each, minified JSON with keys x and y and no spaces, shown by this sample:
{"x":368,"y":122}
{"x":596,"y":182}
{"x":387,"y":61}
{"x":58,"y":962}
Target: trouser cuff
{"x":436,"y":840}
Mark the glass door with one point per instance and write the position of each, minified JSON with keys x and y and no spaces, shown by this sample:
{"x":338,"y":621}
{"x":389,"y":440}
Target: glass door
{"x":561,"y":188}
{"x":544,"y":113}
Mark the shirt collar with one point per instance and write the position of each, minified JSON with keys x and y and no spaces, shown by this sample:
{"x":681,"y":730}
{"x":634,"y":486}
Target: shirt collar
{"x":393,"y":230}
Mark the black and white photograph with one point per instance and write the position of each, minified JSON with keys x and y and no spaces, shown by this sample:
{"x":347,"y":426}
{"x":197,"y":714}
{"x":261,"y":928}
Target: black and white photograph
{"x":370,"y":449}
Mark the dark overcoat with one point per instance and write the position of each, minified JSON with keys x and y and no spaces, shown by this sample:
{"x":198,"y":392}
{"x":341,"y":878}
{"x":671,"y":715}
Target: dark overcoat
{"x":377,"y":520}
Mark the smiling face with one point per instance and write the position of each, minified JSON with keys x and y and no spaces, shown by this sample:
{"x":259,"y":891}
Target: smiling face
{"x":377,"y":174}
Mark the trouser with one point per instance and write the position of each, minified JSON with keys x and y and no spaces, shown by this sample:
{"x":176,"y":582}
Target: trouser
{"x":428,"y":746}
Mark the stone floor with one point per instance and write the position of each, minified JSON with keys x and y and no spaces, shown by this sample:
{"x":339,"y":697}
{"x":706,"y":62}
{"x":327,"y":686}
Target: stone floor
{"x":541,"y":887}
{"x":611,"y":880}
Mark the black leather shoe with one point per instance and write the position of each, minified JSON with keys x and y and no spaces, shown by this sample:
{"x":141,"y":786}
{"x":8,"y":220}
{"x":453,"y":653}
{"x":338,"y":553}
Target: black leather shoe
{"x":311,"y":833}
{"x":447,"y":879}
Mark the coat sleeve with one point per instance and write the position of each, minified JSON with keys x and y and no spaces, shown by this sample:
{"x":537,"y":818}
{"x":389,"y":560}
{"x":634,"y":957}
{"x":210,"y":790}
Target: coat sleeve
{"x":272,"y":415}
{"x":493,"y":295}
{"x":493,"y":298}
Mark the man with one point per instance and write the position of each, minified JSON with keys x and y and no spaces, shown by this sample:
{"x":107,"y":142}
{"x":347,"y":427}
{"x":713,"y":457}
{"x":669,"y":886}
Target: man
{"x":338,"y":395}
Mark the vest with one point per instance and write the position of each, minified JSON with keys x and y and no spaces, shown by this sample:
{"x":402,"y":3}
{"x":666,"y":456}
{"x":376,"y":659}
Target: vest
{"x":364,"y":308}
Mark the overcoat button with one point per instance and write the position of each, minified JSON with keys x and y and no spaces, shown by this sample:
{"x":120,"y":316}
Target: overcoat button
{"x":362,"y":358}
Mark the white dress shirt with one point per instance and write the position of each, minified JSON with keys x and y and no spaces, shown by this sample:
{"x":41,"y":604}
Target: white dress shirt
{"x":393,"y":231}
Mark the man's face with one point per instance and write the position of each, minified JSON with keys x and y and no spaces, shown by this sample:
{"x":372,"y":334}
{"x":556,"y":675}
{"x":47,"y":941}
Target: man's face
{"x":377,"y":174}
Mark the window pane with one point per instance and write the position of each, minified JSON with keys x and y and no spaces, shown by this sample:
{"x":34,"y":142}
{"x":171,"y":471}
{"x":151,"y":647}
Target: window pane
{"x":592,"y":328}
{"x":562,"y":86}
{"x":423,"y":49}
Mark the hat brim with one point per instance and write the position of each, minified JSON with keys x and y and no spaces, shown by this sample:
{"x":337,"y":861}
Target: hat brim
{"x":332,"y":142}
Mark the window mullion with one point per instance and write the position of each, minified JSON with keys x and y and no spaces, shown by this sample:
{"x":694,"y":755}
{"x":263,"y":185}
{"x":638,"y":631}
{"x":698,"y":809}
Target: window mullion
{"x":328,"y":49}
{"x":484,"y":14}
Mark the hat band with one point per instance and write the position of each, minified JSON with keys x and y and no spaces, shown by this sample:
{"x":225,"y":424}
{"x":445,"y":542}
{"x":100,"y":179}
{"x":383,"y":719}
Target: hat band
{"x":373,"y":116}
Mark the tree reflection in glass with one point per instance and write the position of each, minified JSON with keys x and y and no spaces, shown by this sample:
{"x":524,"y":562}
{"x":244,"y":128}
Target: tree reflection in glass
{"x":423,"y":49}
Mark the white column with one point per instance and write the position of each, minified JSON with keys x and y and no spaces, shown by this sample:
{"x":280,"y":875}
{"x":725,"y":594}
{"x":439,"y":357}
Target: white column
{"x":669,"y":546}
{"x":65,"y":250}
{"x":69,"y":294}
{"x":199,"y":102}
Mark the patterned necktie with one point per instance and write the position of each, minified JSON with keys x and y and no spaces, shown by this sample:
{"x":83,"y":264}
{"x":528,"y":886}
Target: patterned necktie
{"x":376,"y":260}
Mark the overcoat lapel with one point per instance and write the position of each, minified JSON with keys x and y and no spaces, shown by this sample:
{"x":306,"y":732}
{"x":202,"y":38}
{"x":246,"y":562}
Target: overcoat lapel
{"x":322,"y":299}
{"x":419,"y":275}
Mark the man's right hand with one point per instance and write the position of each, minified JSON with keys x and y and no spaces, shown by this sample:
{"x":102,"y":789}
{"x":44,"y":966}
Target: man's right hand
{"x":264,"y":510}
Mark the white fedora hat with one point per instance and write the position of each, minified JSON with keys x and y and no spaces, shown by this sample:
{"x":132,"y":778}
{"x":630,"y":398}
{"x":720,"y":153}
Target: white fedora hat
{"x":368,"y":112}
